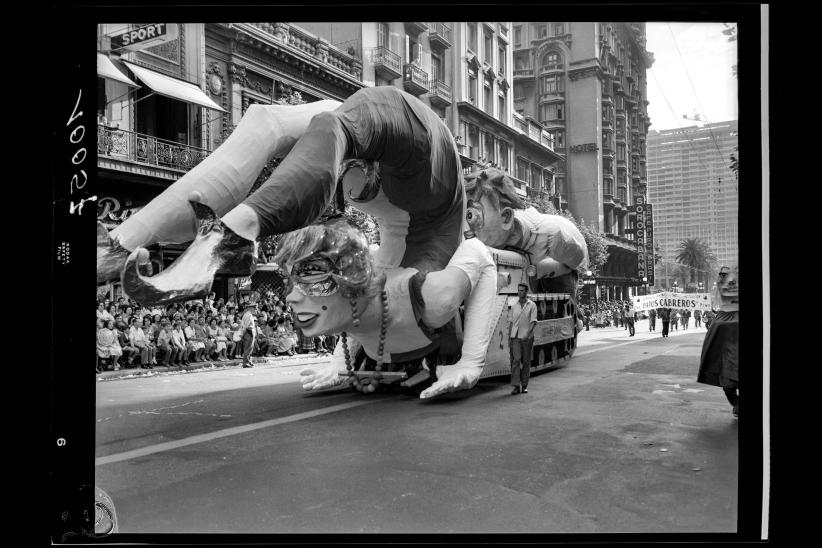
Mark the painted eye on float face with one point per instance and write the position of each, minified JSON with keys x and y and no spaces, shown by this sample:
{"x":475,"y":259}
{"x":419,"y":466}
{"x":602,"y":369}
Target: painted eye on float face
{"x":473,"y":215}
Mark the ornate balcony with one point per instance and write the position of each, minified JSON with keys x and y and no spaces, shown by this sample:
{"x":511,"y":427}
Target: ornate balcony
{"x":439,"y":34}
{"x":416,"y":28}
{"x":415,"y":80}
{"x":386,"y":63}
{"x":521,"y":74}
{"x":440,"y":94}
{"x":126,"y":145}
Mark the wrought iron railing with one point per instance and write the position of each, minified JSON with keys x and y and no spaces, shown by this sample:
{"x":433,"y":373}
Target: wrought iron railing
{"x":440,"y":89}
{"x":147,"y":149}
{"x":384,"y":56}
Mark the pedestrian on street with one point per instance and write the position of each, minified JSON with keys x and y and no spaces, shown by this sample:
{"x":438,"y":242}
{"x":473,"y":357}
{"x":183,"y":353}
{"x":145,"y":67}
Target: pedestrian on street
{"x":652,"y":320}
{"x":675,"y":315}
{"x":697,"y":318}
{"x":665,"y":316}
{"x":630,"y":318}
{"x":686,"y":317}
{"x":523,"y":317}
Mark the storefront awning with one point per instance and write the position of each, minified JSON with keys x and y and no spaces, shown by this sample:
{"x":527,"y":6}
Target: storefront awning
{"x":172,"y":87}
{"x":106,"y":69}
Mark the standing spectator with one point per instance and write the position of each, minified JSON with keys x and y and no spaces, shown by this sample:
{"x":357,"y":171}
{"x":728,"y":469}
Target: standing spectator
{"x":140,"y":342}
{"x":151,"y":330}
{"x":587,"y":318}
{"x":249,"y":328}
{"x":178,"y":339}
{"x":523,"y":318}
{"x":697,"y":318}
{"x":108,"y":345}
{"x":652,"y":320}
{"x":686,"y":316}
{"x":237,"y":339}
{"x":665,"y":316}
{"x":709,"y":316}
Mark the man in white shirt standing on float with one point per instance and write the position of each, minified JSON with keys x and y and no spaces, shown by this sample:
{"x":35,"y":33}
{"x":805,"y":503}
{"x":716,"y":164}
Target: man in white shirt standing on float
{"x":523,"y":315}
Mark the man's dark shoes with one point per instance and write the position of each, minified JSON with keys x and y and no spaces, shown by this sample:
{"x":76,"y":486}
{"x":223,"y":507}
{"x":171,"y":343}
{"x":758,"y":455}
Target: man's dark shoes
{"x":515,"y":390}
{"x":524,"y":390}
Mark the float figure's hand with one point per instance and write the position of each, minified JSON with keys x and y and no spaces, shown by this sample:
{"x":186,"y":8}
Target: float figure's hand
{"x":451,"y":378}
{"x":322,"y":378}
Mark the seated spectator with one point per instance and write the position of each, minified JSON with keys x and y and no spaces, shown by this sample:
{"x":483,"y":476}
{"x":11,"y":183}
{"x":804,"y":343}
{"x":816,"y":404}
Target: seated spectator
{"x":129,"y":351}
{"x":178,"y":340}
{"x":165,"y":348}
{"x":108,"y":346}
{"x":224,"y":335}
{"x":284,"y":340}
{"x":201,"y":331}
{"x":196,"y":346}
{"x":268,"y":339}
{"x":139,"y":341}
{"x":102,"y":313}
{"x":219,"y":340}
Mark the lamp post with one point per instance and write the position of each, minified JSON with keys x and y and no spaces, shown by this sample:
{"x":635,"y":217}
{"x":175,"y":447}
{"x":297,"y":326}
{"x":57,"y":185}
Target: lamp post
{"x":645,"y":283}
{"x":676,"y":286}
{"x":701,"y":287}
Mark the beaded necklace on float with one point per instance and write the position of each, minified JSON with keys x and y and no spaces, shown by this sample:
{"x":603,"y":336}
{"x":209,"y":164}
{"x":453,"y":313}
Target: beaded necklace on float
{"x":367,"y":388}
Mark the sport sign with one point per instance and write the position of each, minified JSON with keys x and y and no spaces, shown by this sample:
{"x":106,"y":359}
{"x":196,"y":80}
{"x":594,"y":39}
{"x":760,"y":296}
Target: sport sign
{"x":144,"y":36}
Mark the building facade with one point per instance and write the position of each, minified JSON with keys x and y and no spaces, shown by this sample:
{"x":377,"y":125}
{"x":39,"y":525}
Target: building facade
{"x":585,"y":82}
{"x":694,"y":192}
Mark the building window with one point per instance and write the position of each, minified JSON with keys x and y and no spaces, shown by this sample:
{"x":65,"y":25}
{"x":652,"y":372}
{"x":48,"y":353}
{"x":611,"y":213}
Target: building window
{"x":436,"y":68}
{"x":559,"y":138}
{"x":503,"y":155}
{"x":548,"y":182}
{"x":382,"y":35}
{"x":413,"y":50}
{"x":501,"y":61}
{"x":559,"y":185}
{"x":559,"y":29}
{"x":521,"y":61}
{"x":473,"y":141}
{"x":517,"y":36}
{"x":522,"y":169}
{"x":472,"y":87}
{"x":501,"y":111}
{"x":542,"y":31}
{"x":472,"y":37}
{"x":552,"y":84}
{"x":489,"y":96}
{"x":488,"y":50}
{"x":488,"y":149}
{"x":536,"y":176}
{"x":552,"y":111}
{"x":621,"y":152}
{"x":551,"y":61}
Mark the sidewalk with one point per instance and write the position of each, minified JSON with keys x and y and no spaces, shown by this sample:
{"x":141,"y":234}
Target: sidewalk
{"x":209,"y":365}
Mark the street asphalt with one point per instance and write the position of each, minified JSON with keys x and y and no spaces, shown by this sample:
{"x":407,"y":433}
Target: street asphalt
{"x":619,"y":439}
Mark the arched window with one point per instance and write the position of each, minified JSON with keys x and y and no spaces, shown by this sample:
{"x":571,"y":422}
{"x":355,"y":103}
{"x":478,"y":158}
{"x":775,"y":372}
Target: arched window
{"x":552,"y":60}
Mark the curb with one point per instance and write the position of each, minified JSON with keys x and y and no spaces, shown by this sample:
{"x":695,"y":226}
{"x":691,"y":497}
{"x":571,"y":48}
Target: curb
{"x":271,"y":361}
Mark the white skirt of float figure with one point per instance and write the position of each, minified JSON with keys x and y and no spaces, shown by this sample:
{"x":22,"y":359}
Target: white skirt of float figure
{"x":224,"y":178}
{"x":474,"y":259}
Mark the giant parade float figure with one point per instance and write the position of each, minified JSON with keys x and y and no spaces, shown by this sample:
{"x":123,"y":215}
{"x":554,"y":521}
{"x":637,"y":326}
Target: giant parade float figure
{"x":396,"y":307}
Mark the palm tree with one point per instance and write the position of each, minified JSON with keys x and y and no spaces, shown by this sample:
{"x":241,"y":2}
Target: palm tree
{"x":695,"y":254}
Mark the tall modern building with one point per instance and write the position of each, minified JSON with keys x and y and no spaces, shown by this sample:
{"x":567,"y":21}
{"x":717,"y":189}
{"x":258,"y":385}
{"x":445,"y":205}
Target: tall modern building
{"x":585,"y":83}
{"x":694,"y":192}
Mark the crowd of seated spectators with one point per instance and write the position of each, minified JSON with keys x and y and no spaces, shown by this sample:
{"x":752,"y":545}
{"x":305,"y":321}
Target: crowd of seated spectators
{"x":205,"y":330}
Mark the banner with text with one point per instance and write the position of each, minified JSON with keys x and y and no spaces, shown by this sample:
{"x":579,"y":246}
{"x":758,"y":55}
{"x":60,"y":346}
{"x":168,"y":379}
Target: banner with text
{"x":669,"y":299}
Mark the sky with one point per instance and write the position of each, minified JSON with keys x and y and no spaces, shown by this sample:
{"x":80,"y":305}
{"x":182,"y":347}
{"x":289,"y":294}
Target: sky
{"x":697,"y":78}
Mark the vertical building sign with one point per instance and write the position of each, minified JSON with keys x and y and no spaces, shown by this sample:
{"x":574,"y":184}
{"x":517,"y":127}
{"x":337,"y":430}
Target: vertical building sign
{"x":649,"y":242}
{"x":641,"y":248}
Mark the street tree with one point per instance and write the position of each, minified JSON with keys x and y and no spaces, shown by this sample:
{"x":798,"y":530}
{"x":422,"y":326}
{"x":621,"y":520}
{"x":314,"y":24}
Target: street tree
{"x":696,"y":255}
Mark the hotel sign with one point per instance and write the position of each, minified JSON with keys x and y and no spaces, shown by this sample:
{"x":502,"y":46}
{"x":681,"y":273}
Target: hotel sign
{"x":144,"y":37}
{"x":587,"y":147}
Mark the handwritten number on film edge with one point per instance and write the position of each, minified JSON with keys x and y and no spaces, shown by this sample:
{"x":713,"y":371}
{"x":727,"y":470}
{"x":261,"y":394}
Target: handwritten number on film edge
{"x":78,"y":158}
